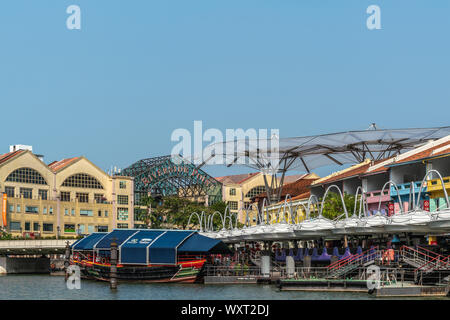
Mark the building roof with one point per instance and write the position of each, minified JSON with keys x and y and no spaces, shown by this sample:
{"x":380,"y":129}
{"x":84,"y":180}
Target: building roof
{"x":433,"y":148}
{"x":294,"y":189}
{"x":241,"y":178}
{"x":293,"y":178}
{"x":301,"y":196}
{"x":5,"y":157}
{"x":58,"y":165}
{"x":236,"y":178}
{"x":442,"y":148}
{"x":352,"y":171}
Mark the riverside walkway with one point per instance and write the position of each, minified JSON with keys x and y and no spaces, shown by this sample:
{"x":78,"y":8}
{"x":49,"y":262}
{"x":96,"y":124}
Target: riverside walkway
{"x":30,"y":247}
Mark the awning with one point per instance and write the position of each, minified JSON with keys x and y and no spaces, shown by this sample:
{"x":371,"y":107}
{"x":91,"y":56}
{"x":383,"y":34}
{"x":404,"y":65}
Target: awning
{"x":134,"y":250}
{"x":200,"y":244}
{"x":118,"y":235}
{"x":164,"y":249}
{"x":88,"y":242}
{"x":142,"y":247}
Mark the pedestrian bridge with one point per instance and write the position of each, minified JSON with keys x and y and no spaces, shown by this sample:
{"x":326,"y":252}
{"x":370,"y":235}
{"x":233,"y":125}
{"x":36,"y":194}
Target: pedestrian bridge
{"x":25,"y":247}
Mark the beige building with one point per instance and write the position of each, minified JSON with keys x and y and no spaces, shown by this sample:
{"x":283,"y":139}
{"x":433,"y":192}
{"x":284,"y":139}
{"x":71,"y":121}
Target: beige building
{"x":64,"y":198}
{"x":238,"y":190}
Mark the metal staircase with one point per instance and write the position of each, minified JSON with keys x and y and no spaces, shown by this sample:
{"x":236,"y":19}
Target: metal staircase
{"x":342,"y":267}
{"x":424,"y":260}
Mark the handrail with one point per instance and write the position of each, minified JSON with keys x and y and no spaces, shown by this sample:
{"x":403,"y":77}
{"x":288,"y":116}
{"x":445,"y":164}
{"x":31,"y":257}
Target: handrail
{"x":436,"y":265}
{"x":341,"y":263}
{"x":419,"y":252}
{"x":437,"y":254}
{"x":435,"y":261}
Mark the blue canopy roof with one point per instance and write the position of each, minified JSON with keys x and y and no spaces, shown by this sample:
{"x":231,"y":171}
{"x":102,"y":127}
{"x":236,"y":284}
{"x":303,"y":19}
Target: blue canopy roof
{"x":164,"y":249}
{"x":134,"y":250}
{"x":151,"y":246}
{"x":119,"y":235}
{"x":87,"y":243}
{"x":198,"y":243}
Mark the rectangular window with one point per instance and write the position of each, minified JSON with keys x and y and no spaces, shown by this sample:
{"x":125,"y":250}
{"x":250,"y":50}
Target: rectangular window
{"x":69,"y":228}
{"x":73,"y":212}
{"x":122,"y":214}
{"x":233,"y":205}
{"x":83,"y":197}
{"x":27,"y":226}
{"x":82,"y":229}
{"x":14,"y":226}
{"x":123,"y":200}
{"x":36,"y":226}
{"x":50,"y":210}
{"x":18,"y":208}
{"x":99,"y":198}
{"x":9,"y":192}
{"x":232,"y":192}
{"x":66,"y":212}
{"x":27,"y":193}
{"x":11,"y":208}
{"x":43,"y":194}
{"x":44,"y":210}
{"x":106,"y":213}
{"x":99,"y":213}
{"x":30,"y":209}
{"x":65,"y":196}
{"x":86,"y":213}
{"x":122,"y":184}
{"x":48,"y":227}
{"x":102,"y":228}
{"x":90,"y":229}
{"x":122,"y":225}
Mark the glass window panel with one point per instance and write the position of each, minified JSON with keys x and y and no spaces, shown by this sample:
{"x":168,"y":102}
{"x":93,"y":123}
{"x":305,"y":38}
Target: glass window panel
{"x":26,"y":175}
{"x":82,"y":180}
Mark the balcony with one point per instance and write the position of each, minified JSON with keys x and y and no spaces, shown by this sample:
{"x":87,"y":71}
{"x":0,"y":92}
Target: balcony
{"x":436,"y":185}
{"x":374,"y":196}
{"x":404,"y":189}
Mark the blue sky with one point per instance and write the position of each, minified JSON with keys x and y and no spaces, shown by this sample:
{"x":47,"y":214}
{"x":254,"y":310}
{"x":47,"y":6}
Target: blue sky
{"x":116,"y":89}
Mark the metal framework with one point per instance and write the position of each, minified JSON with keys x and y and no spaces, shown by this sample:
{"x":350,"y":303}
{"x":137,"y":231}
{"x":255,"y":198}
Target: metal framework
{"x":160,"y":176}
{"x":307,"y":153}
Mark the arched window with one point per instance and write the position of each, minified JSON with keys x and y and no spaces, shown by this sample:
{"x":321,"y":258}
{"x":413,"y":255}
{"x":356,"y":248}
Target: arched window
{"x":255,"y":191}
{"x":82,"y":180}
{"x":26,"y":175}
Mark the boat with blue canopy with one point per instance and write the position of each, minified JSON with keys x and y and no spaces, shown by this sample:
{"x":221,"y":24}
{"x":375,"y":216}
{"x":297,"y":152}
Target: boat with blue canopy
{"x":146,"y":255}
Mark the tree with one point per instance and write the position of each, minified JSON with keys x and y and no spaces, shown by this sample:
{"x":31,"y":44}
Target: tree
{"x":149,"y":212}
{"x":173,"y":212}
{"x":332,"y":207}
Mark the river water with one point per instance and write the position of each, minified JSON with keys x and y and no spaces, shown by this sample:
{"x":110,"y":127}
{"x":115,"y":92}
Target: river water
{"x":46,"y":287}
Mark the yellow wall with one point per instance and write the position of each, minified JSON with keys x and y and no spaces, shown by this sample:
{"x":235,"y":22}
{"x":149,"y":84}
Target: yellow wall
{"x":59,"y":217}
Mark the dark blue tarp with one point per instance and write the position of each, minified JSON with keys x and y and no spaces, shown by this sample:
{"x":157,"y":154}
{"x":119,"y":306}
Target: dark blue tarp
{"x":198,"y":243}
{"x":134,"y":250}
{"x":88,"y":242}
{"x":76,"y":241}
{"x":164,"y":249}
{"x":118,"y":235}
{"x":150,"y":246}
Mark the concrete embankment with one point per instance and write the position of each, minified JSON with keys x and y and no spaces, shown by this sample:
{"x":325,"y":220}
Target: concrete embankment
{"x":19,"y":265}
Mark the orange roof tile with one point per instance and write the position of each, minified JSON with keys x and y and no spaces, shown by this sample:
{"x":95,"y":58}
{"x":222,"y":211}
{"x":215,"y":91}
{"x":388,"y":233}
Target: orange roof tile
{"x":352,"y":171}
{"x":58,"y":165}
{"x":9,"y":155}
{"x":236,"y":178}
{"x":426,"y":153}
{"x":294,"y":189}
